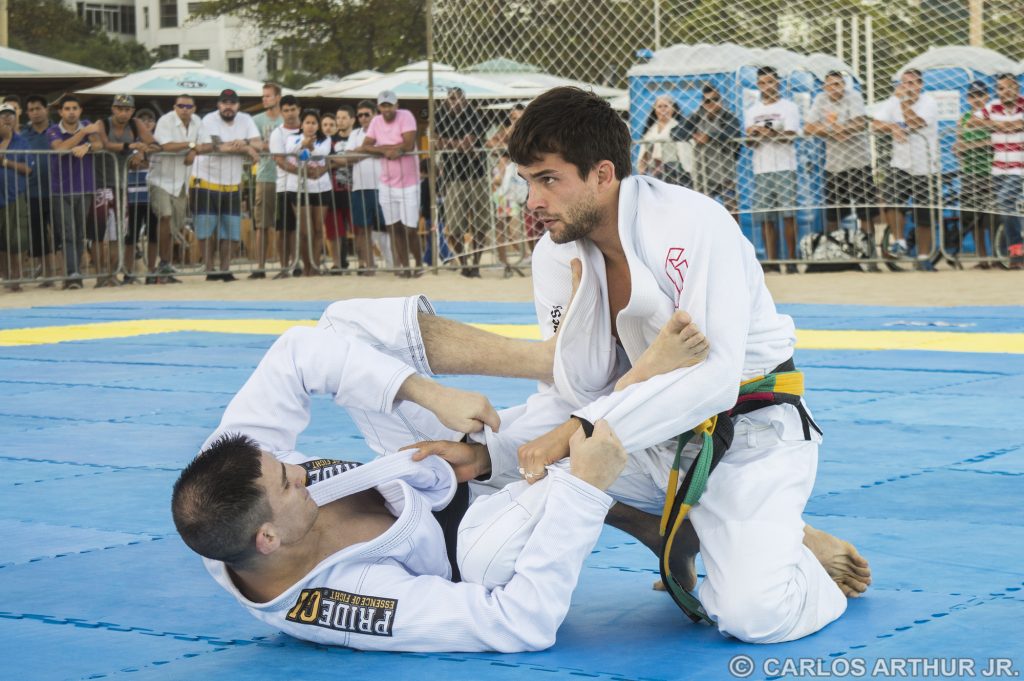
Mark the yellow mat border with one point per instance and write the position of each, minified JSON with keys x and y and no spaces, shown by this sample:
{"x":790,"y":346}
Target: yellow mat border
{"x":939,"y":341}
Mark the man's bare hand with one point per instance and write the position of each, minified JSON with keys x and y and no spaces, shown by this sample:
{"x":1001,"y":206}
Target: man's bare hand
{"x":598,"y":459}
{"x":460,"y":410}
{"x":679,"y":344}
{"x":469,"y":460}
{"x":80,"y":151}
{"x":535,"y":455}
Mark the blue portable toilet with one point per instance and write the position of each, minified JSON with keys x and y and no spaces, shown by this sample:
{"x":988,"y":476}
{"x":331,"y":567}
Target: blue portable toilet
{"x":682,"y":70}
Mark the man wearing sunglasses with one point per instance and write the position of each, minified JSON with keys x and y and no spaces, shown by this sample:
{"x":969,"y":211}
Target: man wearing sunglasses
{"x":177,"y":134}
{"x":714,"y":131}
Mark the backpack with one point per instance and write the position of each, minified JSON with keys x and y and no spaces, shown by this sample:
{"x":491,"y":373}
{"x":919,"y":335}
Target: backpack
{"x":842,"y":244}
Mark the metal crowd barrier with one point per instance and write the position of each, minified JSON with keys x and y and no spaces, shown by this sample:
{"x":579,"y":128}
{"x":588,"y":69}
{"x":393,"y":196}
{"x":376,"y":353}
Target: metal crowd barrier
{"x":71,"y":221}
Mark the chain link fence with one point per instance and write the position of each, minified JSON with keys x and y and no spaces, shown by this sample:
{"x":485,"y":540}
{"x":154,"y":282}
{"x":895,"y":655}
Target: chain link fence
{"x":879,"y":135}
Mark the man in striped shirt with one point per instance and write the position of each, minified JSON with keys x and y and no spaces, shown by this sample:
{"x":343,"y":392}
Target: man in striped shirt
{"x":1004,"y":117}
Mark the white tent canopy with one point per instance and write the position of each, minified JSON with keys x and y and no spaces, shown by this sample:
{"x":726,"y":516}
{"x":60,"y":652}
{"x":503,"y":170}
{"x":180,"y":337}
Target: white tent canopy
{"x":19,"y":64}
{"x":687,"y":60}
{"x":530,"y":81}
{"x":410,"y":82}
{"x":980,"y":59}
{"x":177,"y":76}
{"x":313,"y":89}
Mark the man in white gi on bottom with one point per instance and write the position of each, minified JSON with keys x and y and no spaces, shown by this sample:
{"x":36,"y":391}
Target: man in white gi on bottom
{"x":347,"y":554}
{"x":649,"y":249}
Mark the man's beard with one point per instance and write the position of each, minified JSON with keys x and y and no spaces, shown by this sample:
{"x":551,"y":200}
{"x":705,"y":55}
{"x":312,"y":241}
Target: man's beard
{"x":580,"y":220}
{"x":227,"y":115}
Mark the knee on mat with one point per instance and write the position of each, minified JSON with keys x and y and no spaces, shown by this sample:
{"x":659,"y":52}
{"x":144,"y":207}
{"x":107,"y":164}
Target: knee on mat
{"x":751,"y":615}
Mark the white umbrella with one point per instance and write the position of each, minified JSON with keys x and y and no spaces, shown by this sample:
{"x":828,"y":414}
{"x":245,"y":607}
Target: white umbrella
{"x":410,"y":83}
{"x":177,"y":76}
{"x":529,"y":81}
{"x":314,"y":89}
{"x":15,"y":64}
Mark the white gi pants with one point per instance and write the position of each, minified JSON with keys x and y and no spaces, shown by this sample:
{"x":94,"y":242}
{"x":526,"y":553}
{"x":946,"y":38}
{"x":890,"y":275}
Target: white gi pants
{"x":762,"y":584}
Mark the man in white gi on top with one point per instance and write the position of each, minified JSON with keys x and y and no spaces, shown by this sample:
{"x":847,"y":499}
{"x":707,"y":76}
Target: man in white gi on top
{"x":649,"y":249}
{"x":347,"y":554}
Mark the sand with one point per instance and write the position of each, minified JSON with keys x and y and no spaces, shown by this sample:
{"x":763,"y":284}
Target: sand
{"x":939,"y":289}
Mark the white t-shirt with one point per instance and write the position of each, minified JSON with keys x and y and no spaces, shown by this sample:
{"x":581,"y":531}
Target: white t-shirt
{"x":321,"y":150}
{"x":226,"y":169}
{"x":773,"y":157}
{"x":286,"y":182}
{"x":366,"y":173}
{"x":168,"y":171}
{"x":919,"y":155}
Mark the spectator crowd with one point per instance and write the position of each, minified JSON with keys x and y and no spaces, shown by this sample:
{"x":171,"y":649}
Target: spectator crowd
{"x":148,"y":197}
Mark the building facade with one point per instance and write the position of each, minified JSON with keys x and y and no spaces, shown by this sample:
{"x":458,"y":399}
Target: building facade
{"x":226,"y":44}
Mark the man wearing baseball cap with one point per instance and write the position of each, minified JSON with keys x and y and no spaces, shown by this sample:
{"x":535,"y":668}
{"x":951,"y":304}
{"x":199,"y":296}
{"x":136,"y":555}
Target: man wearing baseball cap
{"x":14,"y":171}
{"x":392,"y":134}
{"x":229,"y":136}
{"x":128,"y":143}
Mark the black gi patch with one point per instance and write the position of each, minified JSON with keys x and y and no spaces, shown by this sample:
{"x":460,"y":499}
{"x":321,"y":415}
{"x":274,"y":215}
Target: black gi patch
{"x":343,"y":611}
{"x":318,"y":470}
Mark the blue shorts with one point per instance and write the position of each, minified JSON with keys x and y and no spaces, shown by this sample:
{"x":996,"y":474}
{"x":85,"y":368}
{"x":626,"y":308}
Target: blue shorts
{"x":227,"y":227}
{"x":366,"y":211}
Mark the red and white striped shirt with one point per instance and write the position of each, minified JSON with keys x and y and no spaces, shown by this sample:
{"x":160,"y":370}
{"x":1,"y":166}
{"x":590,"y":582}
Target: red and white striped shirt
{"x":1007,"y":148}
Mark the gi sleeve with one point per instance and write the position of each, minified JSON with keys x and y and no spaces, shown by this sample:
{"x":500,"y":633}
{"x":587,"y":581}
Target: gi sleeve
{"x":716,"y":294}
{"x":273,"y":405}
{"x":434,"y":614}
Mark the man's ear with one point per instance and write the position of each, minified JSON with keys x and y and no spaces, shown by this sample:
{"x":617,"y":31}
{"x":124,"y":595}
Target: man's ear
{"x":605,"y":175}
{"x":267,"y":540}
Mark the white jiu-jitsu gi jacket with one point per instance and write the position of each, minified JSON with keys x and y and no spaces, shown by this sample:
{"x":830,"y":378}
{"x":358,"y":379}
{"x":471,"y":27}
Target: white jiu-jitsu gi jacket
{"x":394,"y":592}
{"x":685,"y":252}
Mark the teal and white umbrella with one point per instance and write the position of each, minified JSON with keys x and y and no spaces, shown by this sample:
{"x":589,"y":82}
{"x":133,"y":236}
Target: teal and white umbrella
{"x":177,"y":76}
{"x":16,"y":64}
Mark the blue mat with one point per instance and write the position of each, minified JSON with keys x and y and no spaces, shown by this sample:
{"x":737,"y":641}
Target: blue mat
{"x":922,"y":468}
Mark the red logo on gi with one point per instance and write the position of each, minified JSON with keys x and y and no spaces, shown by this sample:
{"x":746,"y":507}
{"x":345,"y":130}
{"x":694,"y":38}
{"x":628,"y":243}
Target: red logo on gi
{"x":676,"y":266}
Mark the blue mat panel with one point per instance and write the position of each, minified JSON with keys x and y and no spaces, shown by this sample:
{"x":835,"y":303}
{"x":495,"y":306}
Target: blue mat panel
{"x":919,"y":470}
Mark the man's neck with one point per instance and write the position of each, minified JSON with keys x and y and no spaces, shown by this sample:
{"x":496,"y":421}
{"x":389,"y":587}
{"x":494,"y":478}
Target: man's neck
{"x":42,"y":126}
{"x":606,"y":235}
{"x":765,"y":99}
{"x":345,"y":133}
{"x":273,"y":112}
{"x":71,"y":127}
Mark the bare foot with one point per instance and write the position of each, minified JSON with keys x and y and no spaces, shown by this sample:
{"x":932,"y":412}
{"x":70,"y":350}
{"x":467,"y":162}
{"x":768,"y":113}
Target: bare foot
{"x":841,"y":561}
{"x":683,"y":559}
{"x":679,"y":344}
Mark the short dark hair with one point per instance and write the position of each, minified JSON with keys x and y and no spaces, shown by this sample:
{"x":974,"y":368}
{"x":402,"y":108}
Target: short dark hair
{"x":272,"y":86}
{"x":1006,"y":76}
{"x":38,"y":99}
{"x":69,"y":98}
{"x":835,"y":74}
{"x":12,"y":98}
{"x":708,"y":88}
{"x":184,"y":95}
{"x":366,"y":104}
{"x":347,"y":109}
{"x":289,"y":100}
{"x":916,"y":73}
{"x":145,"y":113}
{"x":218,"y":503}
{"x":578,"y":125}
{"x":767,"y":71}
